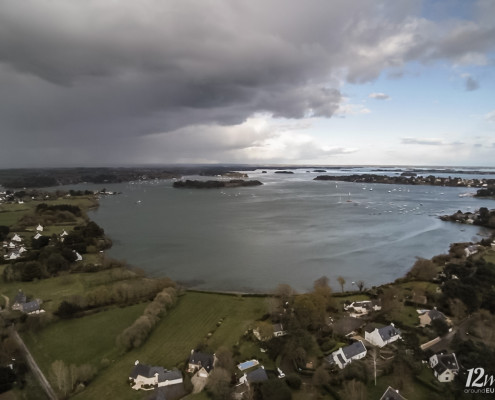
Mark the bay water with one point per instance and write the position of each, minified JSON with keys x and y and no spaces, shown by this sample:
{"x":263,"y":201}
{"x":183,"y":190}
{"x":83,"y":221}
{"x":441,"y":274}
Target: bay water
{"x":291,"y":230}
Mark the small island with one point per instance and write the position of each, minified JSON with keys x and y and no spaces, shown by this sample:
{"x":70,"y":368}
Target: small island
{"x":189,"y":184}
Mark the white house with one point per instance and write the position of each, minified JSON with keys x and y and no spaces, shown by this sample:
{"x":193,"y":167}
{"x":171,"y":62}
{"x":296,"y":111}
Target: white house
{"x":363,"y":307}
{"x":13,"y":255}
{"x":39,"y":228}
{"x":143,"y":374}
{"x":64,"y":233}
{"x":382,"y":336}
{"x":470,"y":250}
{"x":17,"y":238}
{"x":278,"y":330}
{"x":78,"y":256}
{"x":345,"y":355}
{"x":37,"y":236}
{"x":445,"y":366}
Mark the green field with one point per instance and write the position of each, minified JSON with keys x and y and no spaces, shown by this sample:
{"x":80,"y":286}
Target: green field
{"x":92,"y":338}
{"x":83,"y":340}
{"x":489,"y":256}
{"x":10,"y":214}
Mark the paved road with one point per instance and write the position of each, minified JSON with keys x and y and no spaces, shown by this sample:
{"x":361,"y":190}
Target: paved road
{"x":444,"y":342}
{"x":34,"y":367}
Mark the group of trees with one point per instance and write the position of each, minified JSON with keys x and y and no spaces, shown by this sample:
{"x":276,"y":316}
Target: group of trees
{"x":136,"y":334}
{"x":87,"y":237}
{"x":40,"y":264}
{"x":423,"y":270}
{"x":311,"y":308}
{"x":129,"y":290}
{"x":67,"y":377}
{"x":474,"y":286}
{"x":4,"y":231}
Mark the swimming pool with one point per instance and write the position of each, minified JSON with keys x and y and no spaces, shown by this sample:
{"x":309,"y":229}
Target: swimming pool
{"x":247,"y":364}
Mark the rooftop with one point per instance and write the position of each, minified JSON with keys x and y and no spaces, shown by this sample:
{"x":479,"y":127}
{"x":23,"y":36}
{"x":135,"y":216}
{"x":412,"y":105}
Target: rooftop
{"x":353,"y":349}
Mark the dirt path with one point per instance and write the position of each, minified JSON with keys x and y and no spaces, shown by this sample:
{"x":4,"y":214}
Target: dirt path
{"x":34,"y":367}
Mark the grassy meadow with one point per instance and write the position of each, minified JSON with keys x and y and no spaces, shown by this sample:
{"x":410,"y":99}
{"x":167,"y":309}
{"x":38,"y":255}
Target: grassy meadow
{"x":91,"y":339}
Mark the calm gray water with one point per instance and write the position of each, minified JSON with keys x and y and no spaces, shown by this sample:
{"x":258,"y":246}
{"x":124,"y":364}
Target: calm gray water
{"x":290,"y":230}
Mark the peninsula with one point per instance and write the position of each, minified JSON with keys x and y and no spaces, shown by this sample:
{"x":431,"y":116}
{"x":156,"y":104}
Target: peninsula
{"x":410,"y":179}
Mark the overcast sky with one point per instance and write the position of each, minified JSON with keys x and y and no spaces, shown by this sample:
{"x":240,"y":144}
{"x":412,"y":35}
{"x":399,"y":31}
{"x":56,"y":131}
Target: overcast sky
{"x":105,"y":82}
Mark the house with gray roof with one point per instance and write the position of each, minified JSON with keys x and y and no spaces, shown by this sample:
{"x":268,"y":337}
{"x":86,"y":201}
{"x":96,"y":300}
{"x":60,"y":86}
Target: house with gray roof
{"x":201,"y":362}
{"x":142,"y":375}
{"x":345,"y":355}
{"x":29,"y":307}
{"x":426,"y":317}
{"x":255,"y":376}
{"x":392,"y":394}
{"x":382,"y":336}
{"x":445,"y":366}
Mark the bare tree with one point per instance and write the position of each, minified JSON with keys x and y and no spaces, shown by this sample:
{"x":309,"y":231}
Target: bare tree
{"x":61,"y":376}
{"x":224,"y":359}
{"x":423,"y":270}
{"x":285,"y":293}
{"x":321,"y":282}
{"x":341,"y":281}
{"x":264,"y":330}
{"x":219,"y":384}
{"x":373,"y":353}
{"x":360,"y":285}
{"x":354,"y":390}
{"x":321,"y":377}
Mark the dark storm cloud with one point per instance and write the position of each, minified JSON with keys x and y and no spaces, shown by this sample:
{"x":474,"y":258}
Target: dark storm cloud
{"x":99,"y":74}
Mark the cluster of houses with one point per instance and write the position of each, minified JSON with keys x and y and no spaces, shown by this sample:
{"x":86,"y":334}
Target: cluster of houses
{"x":171,"y":382}
{"x":14,"y":247}
{"x":444,"y":366}
{"x":146,"y":377}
